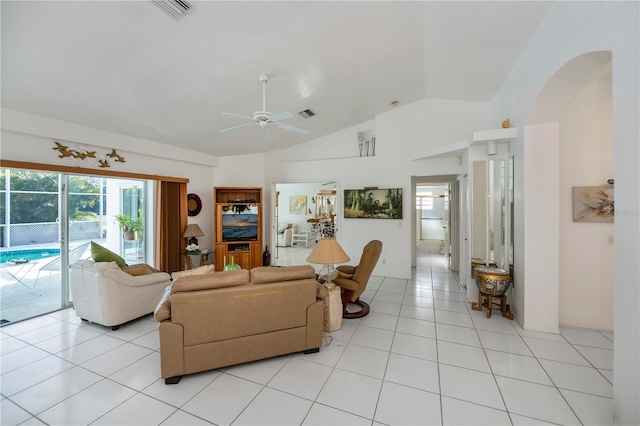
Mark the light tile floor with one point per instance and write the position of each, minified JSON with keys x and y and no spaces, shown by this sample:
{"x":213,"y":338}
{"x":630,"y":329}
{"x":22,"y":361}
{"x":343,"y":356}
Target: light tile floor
{"x":420,"y":357}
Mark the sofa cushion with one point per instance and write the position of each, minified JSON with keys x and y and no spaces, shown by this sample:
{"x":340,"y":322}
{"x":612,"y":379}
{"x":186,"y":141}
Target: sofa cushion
{"x":139,"y":269}
{"x":201,"y":270}
{"x":210,"y":281}
{"x":272,"y":274}
{"x":103,"y":254}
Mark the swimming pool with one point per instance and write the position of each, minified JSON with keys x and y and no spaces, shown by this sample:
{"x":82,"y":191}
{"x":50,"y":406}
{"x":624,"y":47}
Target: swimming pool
{"x":31,"y":254}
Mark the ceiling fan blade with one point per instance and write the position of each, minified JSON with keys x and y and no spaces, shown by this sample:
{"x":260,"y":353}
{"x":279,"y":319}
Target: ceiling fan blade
{"x":237,"y":127}
{"x":267,"y":134}
{"x":293,"y":128}
{"x":281,"y":116}
{"x":233,"y":114}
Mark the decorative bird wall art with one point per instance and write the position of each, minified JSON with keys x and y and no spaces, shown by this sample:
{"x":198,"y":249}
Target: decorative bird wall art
{"x":82,"y":153}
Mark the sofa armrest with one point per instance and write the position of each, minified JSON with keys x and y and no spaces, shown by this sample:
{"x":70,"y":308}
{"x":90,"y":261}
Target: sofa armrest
{"x":346,"y":271}
{"x":346,"y":283}
{"x":171,"y":349}
{"x":315,"y":325}
{"x":163,"y":310}
{"x":123,"y":278}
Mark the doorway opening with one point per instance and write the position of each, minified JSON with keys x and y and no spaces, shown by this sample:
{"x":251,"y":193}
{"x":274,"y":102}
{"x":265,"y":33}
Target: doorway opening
{"x":302,"y":214}
{"x":435,"y":218}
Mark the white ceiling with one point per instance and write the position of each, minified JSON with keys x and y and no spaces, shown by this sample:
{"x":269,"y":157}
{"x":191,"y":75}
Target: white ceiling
{"x":128,"y":68}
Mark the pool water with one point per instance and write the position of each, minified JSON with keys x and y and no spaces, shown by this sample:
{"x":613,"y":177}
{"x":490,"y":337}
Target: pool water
{"x":31,"y":254}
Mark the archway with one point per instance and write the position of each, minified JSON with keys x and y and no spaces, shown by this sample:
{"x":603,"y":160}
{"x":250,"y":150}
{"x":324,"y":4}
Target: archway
{"x":563,"y":260}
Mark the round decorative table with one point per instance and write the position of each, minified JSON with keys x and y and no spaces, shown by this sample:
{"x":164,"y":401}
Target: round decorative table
{"x":493,"y":284}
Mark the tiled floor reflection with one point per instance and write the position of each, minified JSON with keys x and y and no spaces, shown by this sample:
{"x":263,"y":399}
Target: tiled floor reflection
{"x":420,"y":357}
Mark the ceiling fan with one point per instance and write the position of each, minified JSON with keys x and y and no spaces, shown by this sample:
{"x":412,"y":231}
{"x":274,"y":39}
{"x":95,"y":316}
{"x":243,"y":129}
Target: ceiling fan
{"x":265,"y":119}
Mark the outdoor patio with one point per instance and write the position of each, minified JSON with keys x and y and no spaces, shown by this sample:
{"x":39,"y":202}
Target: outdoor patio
{"x":32,"y":288}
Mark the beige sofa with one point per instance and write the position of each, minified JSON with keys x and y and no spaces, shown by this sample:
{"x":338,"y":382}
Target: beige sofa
{"x":224,"y":318}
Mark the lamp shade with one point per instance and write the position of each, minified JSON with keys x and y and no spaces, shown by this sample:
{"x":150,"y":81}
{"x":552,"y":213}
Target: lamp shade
{"x":328,"y":252}
{"x":193,"y":230}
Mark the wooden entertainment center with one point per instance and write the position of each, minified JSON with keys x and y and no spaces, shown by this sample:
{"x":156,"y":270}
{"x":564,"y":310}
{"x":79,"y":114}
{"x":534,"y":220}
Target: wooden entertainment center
{"x":238,"y":226}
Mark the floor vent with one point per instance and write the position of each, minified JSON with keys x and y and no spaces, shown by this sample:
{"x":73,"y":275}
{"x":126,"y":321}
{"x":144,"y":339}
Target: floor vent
{"x":176,"y":9}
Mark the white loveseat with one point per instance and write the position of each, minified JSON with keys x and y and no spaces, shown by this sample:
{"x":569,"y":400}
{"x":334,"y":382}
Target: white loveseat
{"x":105,"y":294}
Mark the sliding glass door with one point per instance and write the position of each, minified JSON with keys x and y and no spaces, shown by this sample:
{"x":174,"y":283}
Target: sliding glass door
{"x":48,"y":221}
{"x":31,"y":249}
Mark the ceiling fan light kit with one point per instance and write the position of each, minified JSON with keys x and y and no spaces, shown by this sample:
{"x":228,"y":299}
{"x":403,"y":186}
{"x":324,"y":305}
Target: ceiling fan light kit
{"x":265,"y":119}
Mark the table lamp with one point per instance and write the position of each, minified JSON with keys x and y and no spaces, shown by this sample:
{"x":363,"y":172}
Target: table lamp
{"x":328,"y":252}
{"x":192,"y":232}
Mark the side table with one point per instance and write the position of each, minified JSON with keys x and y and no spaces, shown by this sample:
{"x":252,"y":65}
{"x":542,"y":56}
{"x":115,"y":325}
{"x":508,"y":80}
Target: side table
{"x":333,"y":310}
{"x":188,"y":262}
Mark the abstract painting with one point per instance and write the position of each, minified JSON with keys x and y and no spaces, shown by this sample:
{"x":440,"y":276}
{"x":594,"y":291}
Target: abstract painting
{"x":297,"y":204}
{"x":593,"y":203}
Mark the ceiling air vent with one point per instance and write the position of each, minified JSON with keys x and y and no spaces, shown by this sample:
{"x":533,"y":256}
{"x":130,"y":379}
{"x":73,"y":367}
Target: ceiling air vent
{"x":307,"y":113}
{"x":174,"y":8}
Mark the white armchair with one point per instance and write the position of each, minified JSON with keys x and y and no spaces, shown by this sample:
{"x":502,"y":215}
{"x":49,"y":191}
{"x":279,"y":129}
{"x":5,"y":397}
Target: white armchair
{"x":301,"y":234}
{"x":105,"y":294}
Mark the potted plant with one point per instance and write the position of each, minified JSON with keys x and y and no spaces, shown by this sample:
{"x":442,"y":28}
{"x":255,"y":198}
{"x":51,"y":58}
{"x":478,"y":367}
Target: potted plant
{"x":136,"y":227}
{"x":127,"y":225}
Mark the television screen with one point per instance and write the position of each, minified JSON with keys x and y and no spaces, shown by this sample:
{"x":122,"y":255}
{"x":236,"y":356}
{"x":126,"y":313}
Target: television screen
{"x":239,"y":227}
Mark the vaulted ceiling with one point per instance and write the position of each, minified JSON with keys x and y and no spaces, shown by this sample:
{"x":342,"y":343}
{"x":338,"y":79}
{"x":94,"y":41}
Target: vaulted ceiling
{"x":129,"y":68}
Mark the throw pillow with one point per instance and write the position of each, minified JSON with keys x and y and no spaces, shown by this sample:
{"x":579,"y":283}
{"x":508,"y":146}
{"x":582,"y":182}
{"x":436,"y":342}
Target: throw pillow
{"x":103,"y":254}
{"x":206,"y":269}
{"x":139,"y":269}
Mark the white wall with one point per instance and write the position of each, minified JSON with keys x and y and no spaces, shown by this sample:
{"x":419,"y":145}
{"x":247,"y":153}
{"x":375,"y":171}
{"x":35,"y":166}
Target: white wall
{"x":569,"y":30}
{"x":30,"y":138}
{"x":586,"y":258}
{"x":296,"y":189}
{"x":400,"y":134}
{"x":538,"y":289}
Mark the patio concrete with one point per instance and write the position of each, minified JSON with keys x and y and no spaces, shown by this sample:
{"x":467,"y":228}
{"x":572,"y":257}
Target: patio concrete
{"x":18,"y":300}
{"x":26,"y":292}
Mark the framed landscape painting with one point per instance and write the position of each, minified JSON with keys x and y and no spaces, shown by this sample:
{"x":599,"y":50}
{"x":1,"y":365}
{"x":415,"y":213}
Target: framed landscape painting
{"x":593,"y":203}
{"x":373,"y":203}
